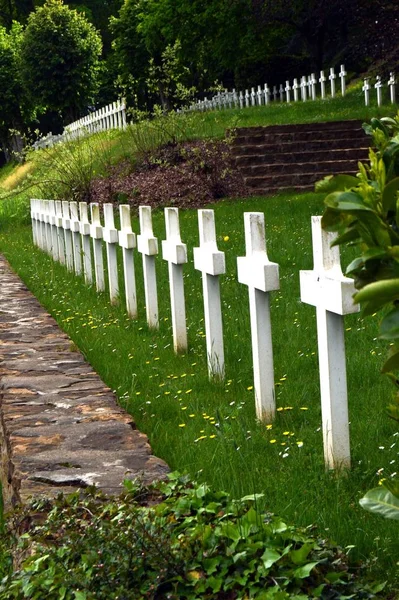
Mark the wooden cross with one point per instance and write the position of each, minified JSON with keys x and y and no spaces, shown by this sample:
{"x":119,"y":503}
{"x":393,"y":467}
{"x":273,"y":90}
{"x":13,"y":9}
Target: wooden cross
{"x":378,"y":86}
{"x":96,"y":233}
{"x":331,"y":293}
{"x":66,"y":224}
{"x":211,"y":262}
{"x":86,"y":251}
{"x":342,"y":75}
{"x":127,"y":241}
{"x":392,"y":84}
{"x":366,"y":90}
{"x":332,"y":76}
{"x":147,"y":245}
{"x":175,"y":253}
{"x":261,"y":276}
{"x":110,"y":236}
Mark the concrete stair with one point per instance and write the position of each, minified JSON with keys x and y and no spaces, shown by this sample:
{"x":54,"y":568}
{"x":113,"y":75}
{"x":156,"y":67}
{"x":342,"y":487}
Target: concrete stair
{"x":285,"y":157}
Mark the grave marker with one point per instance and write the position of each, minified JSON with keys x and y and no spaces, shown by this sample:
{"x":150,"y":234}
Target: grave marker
{"x":303,"y":85}
{"x":378,"y":87}
{"x":332,"y":77}
{"x":281,"y":92}
{"x":175,"y":253}
{"x":75,"y":229}
{"x":241,"y":99}
{"x":96,"y":233}
{"x":259,"y":94}
{"x":246,"y":98}
{"x":295,"y":87}
{"x":331,"y":293}
{"x":266,"y":91}
{"x":261,"y":276}
{"x":313,"y":82}
{"x":147,"y":245}
{"x":274,"y":93}
{"x":322,"y":81}
{"x":392,"y":84}
{"x":253,"y":97}
{"x":54,"y":238}
{"x":366,"y":90}
{"x":287,"y":91}
{"x":60,"y":231}
{"x":86,"y":251}
{"x":127,"y":241}
{"x":210,"y":261}
{"x":110,"y":236}
{"x":66,"y":224}
{"x":342,"y":75}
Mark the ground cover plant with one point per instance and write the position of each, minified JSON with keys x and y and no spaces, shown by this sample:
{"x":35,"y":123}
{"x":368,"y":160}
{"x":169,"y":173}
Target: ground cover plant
{"x":192,"y":543}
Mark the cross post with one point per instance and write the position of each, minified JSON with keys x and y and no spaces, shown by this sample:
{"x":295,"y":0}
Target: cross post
{"x":75,"y":229}
{"x":332,"y":77}
{"x":127,"y":241}
{"x":96,"y":233}
{"x":147,"y":245}
{"x":378,"y":86}
{"x":366,"y":90}
{"x":60,"y":231}
{"x":392,"y":84}
{"x":84,"y":227}
{"x":110,"y":236}
{"x":66,"y":224}
{"x":342,"y":75}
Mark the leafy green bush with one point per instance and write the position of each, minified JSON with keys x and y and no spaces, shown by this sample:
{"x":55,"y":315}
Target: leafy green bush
{"x":175,"y":539}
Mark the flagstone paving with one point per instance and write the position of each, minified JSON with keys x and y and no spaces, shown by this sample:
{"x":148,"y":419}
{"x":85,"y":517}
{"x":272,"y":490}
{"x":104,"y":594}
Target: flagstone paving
{"x":60,"y":426}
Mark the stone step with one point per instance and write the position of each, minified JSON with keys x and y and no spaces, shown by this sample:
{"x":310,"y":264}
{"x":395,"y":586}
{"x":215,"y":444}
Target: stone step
{"x":287,"y":180}
{"x":324,"y":126}
{"x":297,"y":136}
{"x":337,"y":166}
{"x":284,"y":147}
{"x":302,"y":157}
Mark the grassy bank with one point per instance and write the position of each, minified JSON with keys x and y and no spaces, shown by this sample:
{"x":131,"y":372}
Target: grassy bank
{"x":210,"y":430}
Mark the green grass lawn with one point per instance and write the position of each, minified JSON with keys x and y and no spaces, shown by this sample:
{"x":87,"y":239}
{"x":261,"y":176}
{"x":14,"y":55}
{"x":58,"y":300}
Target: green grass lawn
{"x":210,"y":429}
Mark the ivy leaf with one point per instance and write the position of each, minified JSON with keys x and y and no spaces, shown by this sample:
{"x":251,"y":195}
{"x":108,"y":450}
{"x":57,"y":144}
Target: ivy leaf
{"x":269,"y":557}
{"x":305,"y":571}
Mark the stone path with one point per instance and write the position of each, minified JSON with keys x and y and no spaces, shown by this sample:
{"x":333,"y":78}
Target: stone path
{"x":60,"y":426}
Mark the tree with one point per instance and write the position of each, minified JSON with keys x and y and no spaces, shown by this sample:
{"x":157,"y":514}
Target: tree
{"x":60,"y":59}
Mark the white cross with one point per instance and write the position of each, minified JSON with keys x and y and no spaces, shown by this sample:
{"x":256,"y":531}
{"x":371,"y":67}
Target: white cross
{"x":241,"y":99}
{"x":66,"y":224}
{"x":313,"y":86}
{"x":275,"y":93}
{"x":127,"y":241}
{"x":322,"y":81}
{"x":259,"y":94}
{"x":75,"y":229}
{"x":235,"y":98}
{"x":47,"y":228}
{"x":326,"y":288}
{"x":96,"y":233}
{"x":281,"y":92}
{"x":295,"y":87}
{"x":85,"y":233}
{"x":147,"y":245}
{"x":287,"y":91}
{"x":246,"y":98}
{"x":60,"y":231}
{"x":266,"y":92}
{"x":392,"y":84}
{"x":261,"y":276}
{"x":54,"y":238}
{"x":110,"y":236}
{"x":303,"y":88}
{"x":366,"y":90}
{"x":175,"y":253}
{"x":378,"y":86}
{"x":253,"y":97}
{"x":210,"y":261}
{"x":342,"y":75}
{"x":34,"y":221}
{"x":332,"y":76}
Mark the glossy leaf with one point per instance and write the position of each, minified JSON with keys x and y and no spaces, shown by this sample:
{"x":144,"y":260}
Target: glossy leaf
{"x":336,"y":183}
{"x":382,"y":502}
{"x":389,"y":326}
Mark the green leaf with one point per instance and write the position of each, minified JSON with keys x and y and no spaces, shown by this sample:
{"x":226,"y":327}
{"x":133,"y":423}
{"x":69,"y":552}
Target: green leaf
{"x":299,"y":556}
{"x":269,"y":557}
{"x":337,"y":183}
{"x":389,"y":326}
{"x":350,"y":235}
{"x":390,"y":195}
{"x":381,"y":291}
{"x":382,"y":502}
{"x":252,"y":498}
{"x":392,"y":363}
{"x":305,"y":571}
{"x":347,"y":201}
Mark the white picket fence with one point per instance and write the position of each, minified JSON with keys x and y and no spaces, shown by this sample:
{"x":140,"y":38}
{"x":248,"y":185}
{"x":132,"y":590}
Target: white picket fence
{"x":305,"y":88}
{"x":112,"y":116}
{"x":63,"y":230}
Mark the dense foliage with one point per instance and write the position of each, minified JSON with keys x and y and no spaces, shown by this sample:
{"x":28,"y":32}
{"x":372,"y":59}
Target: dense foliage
{"x":173,"y":540}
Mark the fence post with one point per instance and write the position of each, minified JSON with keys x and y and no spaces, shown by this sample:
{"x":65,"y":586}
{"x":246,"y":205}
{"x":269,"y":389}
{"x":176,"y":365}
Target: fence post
{"x":261,"y":276}
{"x":331,"y":293}
{"x":96,"y":233}
{"x":84,"y":227}
{"x":147,"y":245}
{"x":210,"y":261}
{"x":127,"y":241}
